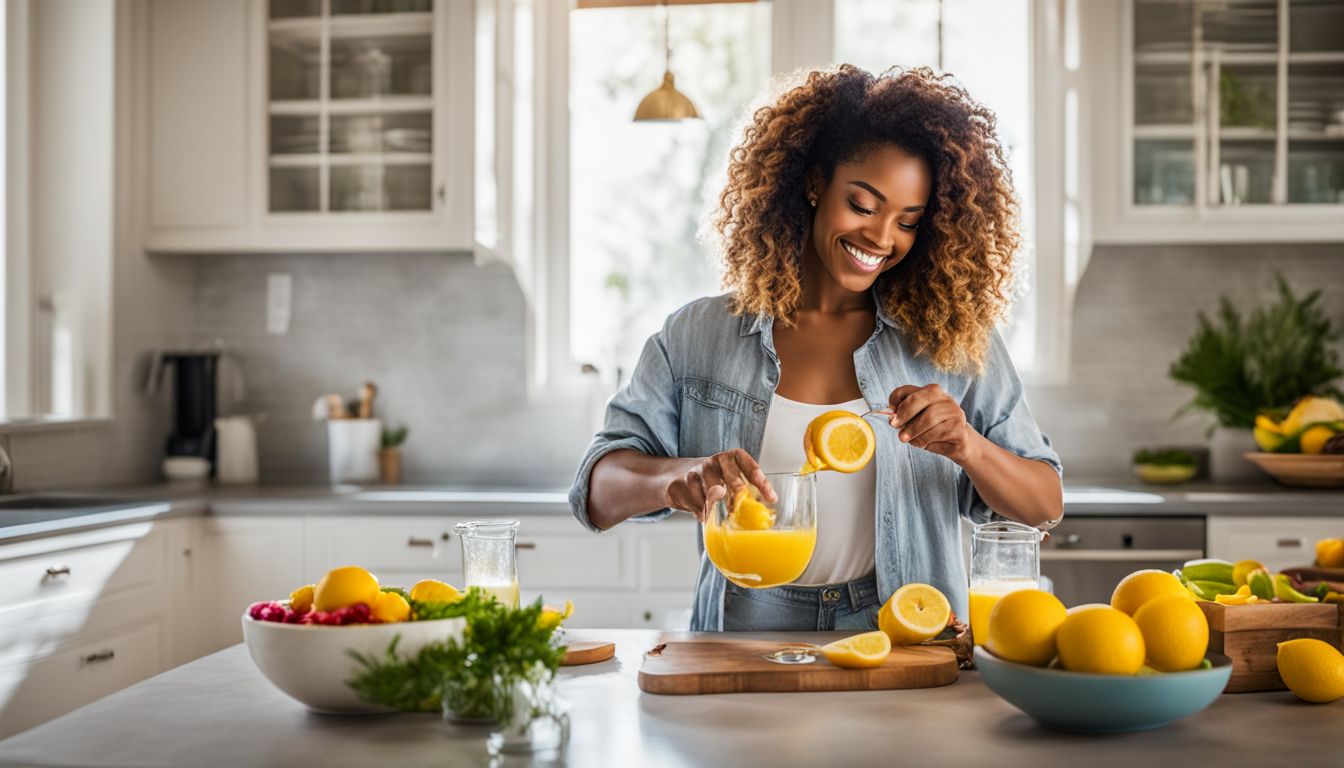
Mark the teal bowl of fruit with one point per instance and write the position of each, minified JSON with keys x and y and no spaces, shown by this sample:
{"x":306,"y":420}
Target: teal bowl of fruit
{"x":1089,"y":703}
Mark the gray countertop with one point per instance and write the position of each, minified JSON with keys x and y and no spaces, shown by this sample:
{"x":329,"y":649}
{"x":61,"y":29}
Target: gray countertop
{"x":1088,"y":496}
{"x":220,"y":711}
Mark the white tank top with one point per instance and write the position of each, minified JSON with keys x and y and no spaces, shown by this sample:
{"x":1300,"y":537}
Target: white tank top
{"x":846,"y":504}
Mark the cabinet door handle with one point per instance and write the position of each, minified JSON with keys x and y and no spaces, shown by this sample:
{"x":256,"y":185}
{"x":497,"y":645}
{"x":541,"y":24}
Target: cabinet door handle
{"x":99,"y":656}
{"x":416,"y":542}
{"x":525,"y":545}
{"x":442,"y":193}
{"x":648,"y":615}
{"x":64,"y":570}
{"x":1291,"y":543}
{"x":445,"y":536}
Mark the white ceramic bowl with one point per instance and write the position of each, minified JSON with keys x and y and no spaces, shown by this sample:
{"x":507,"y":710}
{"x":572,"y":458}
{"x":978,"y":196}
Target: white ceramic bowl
{"x":312,"y":662}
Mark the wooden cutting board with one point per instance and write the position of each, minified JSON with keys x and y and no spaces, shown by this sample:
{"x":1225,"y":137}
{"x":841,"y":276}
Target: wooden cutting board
{"x":723,"y":664}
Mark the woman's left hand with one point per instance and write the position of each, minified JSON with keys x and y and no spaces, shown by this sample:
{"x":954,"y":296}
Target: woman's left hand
{"x":929,"y":418}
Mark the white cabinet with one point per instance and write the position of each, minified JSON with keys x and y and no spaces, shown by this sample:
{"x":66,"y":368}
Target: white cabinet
{"x":1277,"y":542}
{"x":304,"y":126}
{"x":81,"y":615}
{"x":399,"y":550}
{"x":241,"y":560}
{"x":1213,"y":122}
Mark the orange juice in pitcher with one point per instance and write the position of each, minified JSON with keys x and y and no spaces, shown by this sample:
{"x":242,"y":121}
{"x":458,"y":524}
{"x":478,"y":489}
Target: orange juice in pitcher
{"x":1005,"y":557}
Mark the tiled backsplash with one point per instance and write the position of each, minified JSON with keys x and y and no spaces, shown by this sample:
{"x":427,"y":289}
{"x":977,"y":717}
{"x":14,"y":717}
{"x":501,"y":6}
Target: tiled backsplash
{"x":442,"y":338}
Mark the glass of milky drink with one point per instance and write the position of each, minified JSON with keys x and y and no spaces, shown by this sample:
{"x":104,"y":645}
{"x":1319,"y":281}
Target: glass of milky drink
{"x":760,"y":545}
{"x":1005,"y":557}
{"x":490,"y":558}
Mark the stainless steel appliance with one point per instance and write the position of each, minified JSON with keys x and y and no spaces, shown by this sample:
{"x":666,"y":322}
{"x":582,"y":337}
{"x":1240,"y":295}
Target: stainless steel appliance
{"x":1086,"y":557}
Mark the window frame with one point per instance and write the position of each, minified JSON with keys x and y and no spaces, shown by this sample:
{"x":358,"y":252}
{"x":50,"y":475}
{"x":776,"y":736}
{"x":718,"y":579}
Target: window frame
{"x":801,"y":36}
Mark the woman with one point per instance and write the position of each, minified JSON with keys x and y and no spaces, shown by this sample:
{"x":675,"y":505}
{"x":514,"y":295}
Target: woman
{"x":868,"y":229}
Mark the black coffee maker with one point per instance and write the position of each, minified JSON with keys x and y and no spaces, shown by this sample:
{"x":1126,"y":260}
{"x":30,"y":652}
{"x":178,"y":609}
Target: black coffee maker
{"x":195,"y":390}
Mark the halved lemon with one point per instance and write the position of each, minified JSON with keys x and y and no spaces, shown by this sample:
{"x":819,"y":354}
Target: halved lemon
{"x":914,"y":613}
{"x":863,"y":651}
{"x":839,"y":440}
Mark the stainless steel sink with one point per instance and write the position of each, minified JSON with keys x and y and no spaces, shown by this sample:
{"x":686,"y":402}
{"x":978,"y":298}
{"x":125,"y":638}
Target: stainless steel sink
{"x":35,"y":512}
{"x":66,"y":501}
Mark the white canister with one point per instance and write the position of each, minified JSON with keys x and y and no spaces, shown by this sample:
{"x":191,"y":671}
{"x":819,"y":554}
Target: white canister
{"x":352,"y":449}
{"x":236,"y":450}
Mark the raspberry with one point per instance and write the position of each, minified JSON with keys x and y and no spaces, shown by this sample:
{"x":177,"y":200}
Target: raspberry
{"x":268,"y":611}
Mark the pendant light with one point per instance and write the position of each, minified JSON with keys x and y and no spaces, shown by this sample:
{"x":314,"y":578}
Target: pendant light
{"x":665,"y":103}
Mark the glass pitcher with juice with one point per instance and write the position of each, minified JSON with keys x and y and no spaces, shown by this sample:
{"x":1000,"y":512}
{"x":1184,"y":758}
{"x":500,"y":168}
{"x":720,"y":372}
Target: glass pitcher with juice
{"x":489,"y":558}
{"x":760,"y":545}
{"x":1005,"y":557}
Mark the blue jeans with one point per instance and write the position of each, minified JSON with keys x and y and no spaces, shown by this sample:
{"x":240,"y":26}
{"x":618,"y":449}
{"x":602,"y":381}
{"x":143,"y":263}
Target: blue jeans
{"x":836,"y":606}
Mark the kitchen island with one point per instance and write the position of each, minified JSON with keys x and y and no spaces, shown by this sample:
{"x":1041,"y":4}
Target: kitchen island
{"x":219,"y":710}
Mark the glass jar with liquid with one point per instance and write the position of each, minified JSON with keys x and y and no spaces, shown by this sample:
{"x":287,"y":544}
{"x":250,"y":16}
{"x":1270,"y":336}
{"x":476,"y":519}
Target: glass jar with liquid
{"x":490,"y":558}
{"x":1005,"y":557}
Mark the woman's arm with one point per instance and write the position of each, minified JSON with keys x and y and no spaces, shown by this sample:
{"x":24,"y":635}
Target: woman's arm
{"x":627,"y":483}
{"x":1025,"y":490}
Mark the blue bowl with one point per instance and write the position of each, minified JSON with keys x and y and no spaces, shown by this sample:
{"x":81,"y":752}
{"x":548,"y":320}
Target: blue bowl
{"x":1088,"y":703}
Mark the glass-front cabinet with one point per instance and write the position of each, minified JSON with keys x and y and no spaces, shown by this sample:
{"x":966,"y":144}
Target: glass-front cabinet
{"x":335,"y":124}
{"x":1236,"y":104}
{"x":350,"y":109}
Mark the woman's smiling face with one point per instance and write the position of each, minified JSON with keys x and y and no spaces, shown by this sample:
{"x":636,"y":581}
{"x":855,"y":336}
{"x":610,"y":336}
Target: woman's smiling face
{"x":868,"y":215}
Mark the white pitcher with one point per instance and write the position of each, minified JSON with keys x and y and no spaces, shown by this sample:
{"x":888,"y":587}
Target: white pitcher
{"x":236,"y":449}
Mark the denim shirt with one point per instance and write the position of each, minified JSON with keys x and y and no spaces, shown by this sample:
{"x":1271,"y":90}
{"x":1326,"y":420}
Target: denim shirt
{"x":704,"y":384}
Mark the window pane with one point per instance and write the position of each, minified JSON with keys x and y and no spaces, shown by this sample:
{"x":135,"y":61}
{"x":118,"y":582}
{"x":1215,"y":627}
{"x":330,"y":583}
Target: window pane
{"x":878,"y":34}
{"x":639,"y":190}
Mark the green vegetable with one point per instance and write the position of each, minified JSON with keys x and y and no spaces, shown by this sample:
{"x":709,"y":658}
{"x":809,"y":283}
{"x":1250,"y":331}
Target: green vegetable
{"x":1164,"y":457}
{"x":474,"y":678}
{"x":1280,"y":353}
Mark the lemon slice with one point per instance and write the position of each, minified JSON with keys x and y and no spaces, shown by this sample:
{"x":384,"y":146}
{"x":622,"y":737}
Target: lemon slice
{"x":844,"y":443}
{"x":749,"y":513}
{"x":914,"y":613}
{"x":863,"y":651}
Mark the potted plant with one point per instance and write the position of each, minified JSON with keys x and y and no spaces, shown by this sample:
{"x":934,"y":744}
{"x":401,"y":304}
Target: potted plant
{"x":1240,"y":368}
{"x":389,"y":455}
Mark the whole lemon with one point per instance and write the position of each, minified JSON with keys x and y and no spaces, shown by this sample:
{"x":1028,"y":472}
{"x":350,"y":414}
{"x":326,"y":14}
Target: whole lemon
{"x":390,"y":607}
{"x":1312,"y":669}
{"x":1330,"y":553}
{"x":1175,"y":633}
{"x":301,"y":599}
{"x":347,"y":585}
{"x":1141,"y":586}
{"x":434,"y":591}
{"x":1102,"y":641}
{"x":1022,"y":626}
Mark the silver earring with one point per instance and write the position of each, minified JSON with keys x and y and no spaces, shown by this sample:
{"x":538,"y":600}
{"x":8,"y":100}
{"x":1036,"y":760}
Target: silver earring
{"x":813,"y":201}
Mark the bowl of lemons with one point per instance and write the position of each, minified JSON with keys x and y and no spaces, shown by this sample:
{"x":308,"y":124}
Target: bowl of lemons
{"x":1139,"y":663}
{"x":303,"y":645}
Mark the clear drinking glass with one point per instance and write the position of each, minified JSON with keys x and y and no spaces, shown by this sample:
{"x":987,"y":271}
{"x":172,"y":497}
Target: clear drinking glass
{"x":760,"y":545}
{"x":1005,"y":557}
{"x":489,"y":557}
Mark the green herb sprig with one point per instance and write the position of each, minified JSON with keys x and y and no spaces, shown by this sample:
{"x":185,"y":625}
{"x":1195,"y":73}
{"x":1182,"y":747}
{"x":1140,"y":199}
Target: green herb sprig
{"x":473,"y":678}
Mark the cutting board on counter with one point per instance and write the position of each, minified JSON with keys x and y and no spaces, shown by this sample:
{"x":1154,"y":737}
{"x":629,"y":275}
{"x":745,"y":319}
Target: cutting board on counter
{"x":721,"y":663}
{"x":1250,"y":634}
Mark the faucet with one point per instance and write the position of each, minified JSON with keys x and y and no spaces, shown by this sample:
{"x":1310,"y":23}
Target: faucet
{"x":6,"y":467}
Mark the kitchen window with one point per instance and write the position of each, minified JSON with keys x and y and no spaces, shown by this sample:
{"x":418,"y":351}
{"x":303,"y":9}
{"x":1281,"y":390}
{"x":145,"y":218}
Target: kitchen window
{"x":616,"y":242}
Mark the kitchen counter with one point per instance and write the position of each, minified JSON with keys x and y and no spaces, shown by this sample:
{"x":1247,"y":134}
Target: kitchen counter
{"x":220,"y":711}
{"x":1105,"y":496}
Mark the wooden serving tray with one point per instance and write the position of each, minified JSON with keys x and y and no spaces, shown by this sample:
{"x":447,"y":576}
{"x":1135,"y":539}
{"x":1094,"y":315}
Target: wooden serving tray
{"x":1250,"y":634}
{"x":721,"y":663}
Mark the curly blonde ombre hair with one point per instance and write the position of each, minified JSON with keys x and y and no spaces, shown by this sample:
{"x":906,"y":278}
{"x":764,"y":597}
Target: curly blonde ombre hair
{"x":956,"y":282}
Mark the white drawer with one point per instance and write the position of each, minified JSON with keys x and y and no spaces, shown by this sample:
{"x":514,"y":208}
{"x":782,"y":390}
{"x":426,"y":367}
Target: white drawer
{"x":400,"y":546}
{"x":35,"y":690}
{"x":76,"y":569}
{"x":548,"y":561}
{"x":1277,"y":542}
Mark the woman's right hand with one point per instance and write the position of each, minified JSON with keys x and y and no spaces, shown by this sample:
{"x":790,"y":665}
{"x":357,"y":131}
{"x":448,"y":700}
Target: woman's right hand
{"x":699,"y":488}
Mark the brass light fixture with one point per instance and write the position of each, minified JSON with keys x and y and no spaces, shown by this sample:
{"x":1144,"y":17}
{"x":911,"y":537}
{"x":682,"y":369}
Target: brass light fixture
{"x":665,"y":103}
